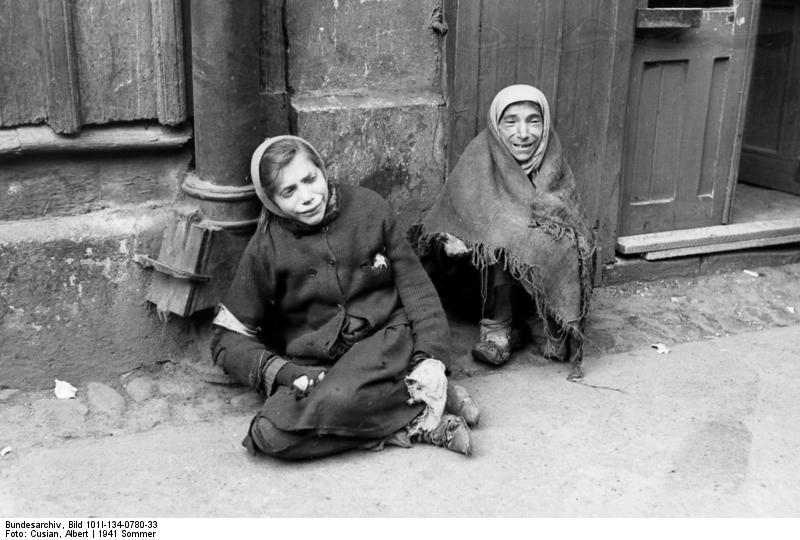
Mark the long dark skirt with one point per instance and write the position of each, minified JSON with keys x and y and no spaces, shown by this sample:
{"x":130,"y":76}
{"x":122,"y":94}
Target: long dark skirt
{"x":362,"y":398}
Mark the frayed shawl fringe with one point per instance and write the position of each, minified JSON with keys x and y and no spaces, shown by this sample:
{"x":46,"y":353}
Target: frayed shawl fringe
{"x":484,"y":256}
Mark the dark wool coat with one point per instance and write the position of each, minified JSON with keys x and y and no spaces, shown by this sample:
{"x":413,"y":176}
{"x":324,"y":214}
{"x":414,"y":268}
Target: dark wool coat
{"x":301,"y":286}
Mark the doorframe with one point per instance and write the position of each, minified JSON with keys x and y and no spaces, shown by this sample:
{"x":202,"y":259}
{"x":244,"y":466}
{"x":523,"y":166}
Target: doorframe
{"x":750,"y":50}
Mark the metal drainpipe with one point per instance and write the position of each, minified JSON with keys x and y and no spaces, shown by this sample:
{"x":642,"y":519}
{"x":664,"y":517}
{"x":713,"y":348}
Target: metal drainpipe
{"x":232,"y":114}
{"x":228,"y":110}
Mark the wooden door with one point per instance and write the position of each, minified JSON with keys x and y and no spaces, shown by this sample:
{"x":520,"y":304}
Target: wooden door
{"x":68,"y":63}
{"x":578,"y":53}
{"x":492,"y":45}
{"x":771,"y":147}
{"x":685,"y":93}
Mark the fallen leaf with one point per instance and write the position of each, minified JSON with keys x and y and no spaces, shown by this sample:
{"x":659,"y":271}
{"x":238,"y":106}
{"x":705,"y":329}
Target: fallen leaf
{"x":64,"y":390}
{"x":6,"y":450}
{"x":660,"y":348}
{"x":751,"y":273}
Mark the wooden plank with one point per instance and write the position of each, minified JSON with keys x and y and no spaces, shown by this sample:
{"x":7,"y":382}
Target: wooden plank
{"x":638,"y":269}
{"x":170,"y":86}
{"x":668,"y":17}
{"x":741,"y":65}
{"x":619,"y":22}
{"x":273,"y":68}
{"x":114,"y":42}
{"x":583,"y":108}
{"x":463,"y":107}
{"x":23,"y":92}
{"x":63,"y":97}
{"x":184,"y":247}
{"x":703,"y":236}
{"x":716,"y":248}
{"x":39,"y":139}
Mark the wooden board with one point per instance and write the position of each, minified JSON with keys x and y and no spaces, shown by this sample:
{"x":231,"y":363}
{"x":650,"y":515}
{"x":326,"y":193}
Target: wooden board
{"x":76,"y":62}
{"x":716,"y":248}
{"x":668,"y":18}
{"x":33,"y":139}
{"x":23,"y":94}
{"x":705,"y":236}
{"x":167,"y":48}
{"x":63,"y":98}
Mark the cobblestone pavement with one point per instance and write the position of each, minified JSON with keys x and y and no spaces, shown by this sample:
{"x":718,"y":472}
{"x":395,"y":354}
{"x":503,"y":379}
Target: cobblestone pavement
{"x":623,"y":317}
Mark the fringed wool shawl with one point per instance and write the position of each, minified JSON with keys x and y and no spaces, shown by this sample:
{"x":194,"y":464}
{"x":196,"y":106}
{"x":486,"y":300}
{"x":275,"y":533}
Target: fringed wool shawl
{"x":535,"y":227}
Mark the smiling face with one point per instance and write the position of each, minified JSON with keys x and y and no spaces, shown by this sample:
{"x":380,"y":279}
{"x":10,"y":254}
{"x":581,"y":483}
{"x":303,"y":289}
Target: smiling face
{"x":301,"y":191}
{"x":521,"y":129}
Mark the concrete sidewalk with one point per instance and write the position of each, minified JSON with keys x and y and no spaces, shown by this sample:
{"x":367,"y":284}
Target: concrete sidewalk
{"x":710,"y":429}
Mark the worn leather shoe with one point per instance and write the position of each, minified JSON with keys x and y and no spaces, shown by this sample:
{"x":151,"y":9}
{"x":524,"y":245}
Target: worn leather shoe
{"x":460,"y":403}
{"x":451,"y":433}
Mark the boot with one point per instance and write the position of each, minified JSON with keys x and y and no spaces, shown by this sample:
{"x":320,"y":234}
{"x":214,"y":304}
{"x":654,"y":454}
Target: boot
{"x":451,"y":433}
{"x":460,"y":403}
{"x":496,"y":342}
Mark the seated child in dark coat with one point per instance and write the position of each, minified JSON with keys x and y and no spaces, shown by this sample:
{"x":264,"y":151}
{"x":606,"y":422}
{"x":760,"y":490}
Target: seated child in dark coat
{"x":332,"y":316}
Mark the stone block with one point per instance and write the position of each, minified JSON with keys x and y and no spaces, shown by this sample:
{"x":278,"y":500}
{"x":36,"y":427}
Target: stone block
{"x":72,"y":299}
{"x":141,"y":388}
{"x":15,"y":414}
{"x":183,"y":389}
{"x":61,"y":416}
{"x":390,"y":143}
{"x":345,"y":44}
{"x":149,"y":414}
{"x":58,"y":185}
{"x":7,"y":393}
{"x":104,"y":400}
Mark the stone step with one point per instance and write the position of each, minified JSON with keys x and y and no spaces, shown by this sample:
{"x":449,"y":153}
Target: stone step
{"x":72,"y":299}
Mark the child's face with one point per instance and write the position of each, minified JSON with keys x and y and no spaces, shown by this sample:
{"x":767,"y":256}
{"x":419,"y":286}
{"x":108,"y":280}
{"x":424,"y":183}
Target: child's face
{"x":521,"y":128}
{"x":301,"y":190}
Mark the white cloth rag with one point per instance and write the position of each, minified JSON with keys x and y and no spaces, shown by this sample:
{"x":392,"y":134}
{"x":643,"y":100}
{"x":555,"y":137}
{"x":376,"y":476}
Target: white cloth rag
{"x":427,"y":383}
{"x":226,"y":319}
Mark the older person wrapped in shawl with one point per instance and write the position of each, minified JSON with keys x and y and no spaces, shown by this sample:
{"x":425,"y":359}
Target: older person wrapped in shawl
{"x":511,"y":206}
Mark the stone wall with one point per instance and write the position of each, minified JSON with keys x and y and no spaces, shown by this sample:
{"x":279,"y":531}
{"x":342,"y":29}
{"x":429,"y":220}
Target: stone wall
{"x":72,"y":299}
{"x":365,"y":85}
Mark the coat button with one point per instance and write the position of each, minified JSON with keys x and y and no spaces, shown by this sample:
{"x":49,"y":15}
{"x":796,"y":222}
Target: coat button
{"x":312,"y":272}
{"x":325,"y":228}
{"x":331,"y":262}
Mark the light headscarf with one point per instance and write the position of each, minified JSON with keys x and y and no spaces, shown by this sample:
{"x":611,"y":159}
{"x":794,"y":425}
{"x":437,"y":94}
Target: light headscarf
{"x":255,"y":171}
{"x":515,"y":94}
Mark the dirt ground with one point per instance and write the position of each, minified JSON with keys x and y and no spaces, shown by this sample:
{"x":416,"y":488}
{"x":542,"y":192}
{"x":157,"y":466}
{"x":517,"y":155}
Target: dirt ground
{"x":622,"y":318}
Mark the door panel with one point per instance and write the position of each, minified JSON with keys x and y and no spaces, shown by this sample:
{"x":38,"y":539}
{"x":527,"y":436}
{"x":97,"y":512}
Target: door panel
{"x":771,"y":148}
{"x":684,"y":98}
{"x":73,"y":62}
